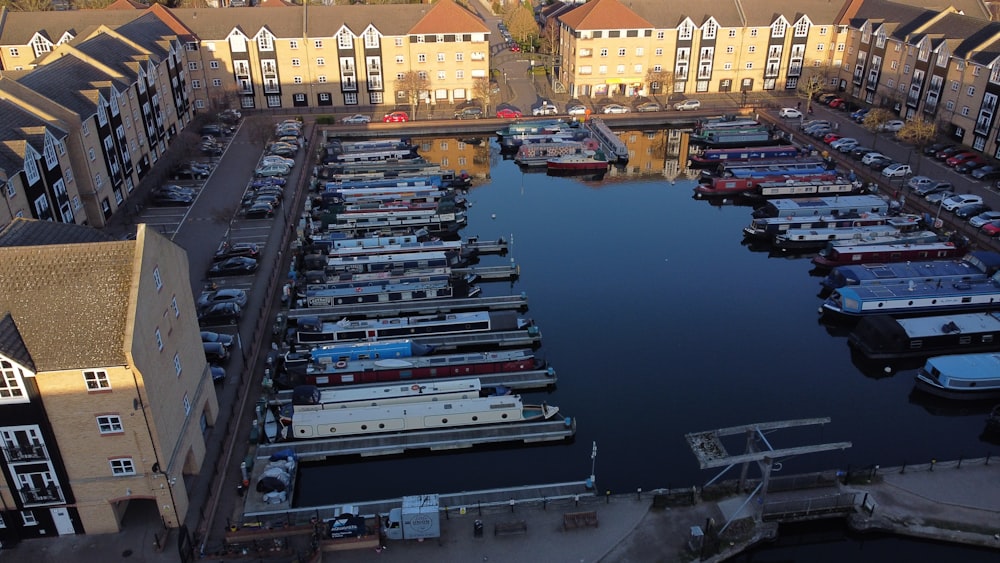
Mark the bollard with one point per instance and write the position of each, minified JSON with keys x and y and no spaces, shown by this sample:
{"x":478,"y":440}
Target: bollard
{"x":511,"y":506}
{"x":902,"y":469}
{"x":960,"y":461}
{"x":576,"y":500}
{"x":638,"y":494}
{"x":446,"y":513}
{"x":545,"y":503}
{"x":933,"y":461}
{"x":607,"y":497}
{"x":479,"y":506}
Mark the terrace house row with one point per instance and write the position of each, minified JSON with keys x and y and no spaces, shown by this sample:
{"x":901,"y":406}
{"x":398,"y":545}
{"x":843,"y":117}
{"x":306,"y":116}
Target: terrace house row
{"x":111,"y":101}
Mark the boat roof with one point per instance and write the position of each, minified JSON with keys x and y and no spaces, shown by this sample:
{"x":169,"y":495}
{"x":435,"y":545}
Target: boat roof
{"x":378,"y":258}
{"x":904,"y":270}
{"x":939,"y":325}
{"x":967,"y":366}
{"x":884,"y":248}
{"x":354,"y":393}
{"x":916,"y":289}
{"x":833,"y":201}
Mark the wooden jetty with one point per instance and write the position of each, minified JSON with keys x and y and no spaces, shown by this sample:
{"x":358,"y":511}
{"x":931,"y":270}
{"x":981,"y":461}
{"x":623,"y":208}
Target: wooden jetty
{"x":399,"y":309}
{"x":488,"y":273}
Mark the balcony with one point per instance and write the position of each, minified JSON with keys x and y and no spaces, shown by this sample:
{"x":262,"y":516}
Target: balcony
{"x":51,"y":494}
{"x":681,"y":73}
{"x":30,"y":452}
{"x":374,"y":82}
{"x":795,"y":69}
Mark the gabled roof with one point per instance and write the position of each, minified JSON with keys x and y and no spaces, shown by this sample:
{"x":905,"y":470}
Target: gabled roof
{"x":274,"y":4}
{"x":762,"y":13}
{"x":11,"y":344}
{"x":67,"y":289}
{"x":69,"y":82}
{"x":20,"y":128}
{"x":20,"y":27}
{"x":987,"y":53}
{"x":322,"y":21}
{"x":113,"y":53}
{"x":445,"y":16}
{"x":150,"y":32}
{"x":125,"y":5}
{"x":604,"y":14}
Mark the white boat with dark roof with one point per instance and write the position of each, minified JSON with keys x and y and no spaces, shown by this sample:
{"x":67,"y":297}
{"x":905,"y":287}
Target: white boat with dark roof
{"x":313,"y":331}
{"x":978,"y":264}
{"x":770,"y":227}
{"x":961,"y":376}
{"x":895,"y":229}
{"x":852,"y":205}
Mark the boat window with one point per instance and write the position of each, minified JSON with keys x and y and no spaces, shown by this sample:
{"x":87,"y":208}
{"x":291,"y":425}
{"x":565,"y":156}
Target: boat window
{"x":966,"y":300}
{"x":987,"y":338}
{"x":916,"y":344}
{"x":965,"y":340}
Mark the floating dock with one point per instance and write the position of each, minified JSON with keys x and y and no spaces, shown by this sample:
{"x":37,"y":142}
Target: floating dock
{"x":473,"y":243}
{"x":399,"y":309}
{"x":612,"y":145}
{"x":433,"y":440}
{"x":489,"y":273}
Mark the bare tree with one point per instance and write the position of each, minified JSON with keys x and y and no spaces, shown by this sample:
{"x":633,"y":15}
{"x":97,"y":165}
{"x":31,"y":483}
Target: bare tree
{"x":875,"y":121}
{"x":30,"y":5}
{"x":660,"y":81}
{"x":483,"y":90}
{"x":812,"y":83}
{"x":412,"y":84}
{"x":919,"y":133}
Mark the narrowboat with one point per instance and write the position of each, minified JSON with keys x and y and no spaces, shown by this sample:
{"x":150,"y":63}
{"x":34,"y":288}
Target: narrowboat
{"x":819,"y":206}
{"x":330,"y":198}
{"x":335,"y":422}
{"x":342,"y":280}
{"x":727,"y":122}
{"x":422,"y":181}
{"x":386,"y":262}
{"x":800,"y":239}
{"x":914,"y":298}
{"x":399,"y":248}
{"x":726,"y":137}
{"x":978,"y":264}
{"x":805,"y":188}
{"x":533,"y":127}
{"x":770,"y":227}
{"x":514,"y":142}
{"x":364,"y":350}
{"x":311,"y":331}
{"x":340,"y":146}
{"x":391,"y":154}
{"x":596,"y":162}
{"x":438,"y":221}
{"x":725,"y":187}
{"x":843,"y":255}
{"x":763,"y":168}
{"x":537,"y":154}
{"x":884,"y":337}
{"x":712,"y":157}
{"x":341,"y":372}
{"x":961,"y":376}
{"x":311,"y":397}
{"x":376,"y":293}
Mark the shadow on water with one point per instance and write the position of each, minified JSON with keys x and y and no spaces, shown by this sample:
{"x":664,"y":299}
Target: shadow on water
{"x":937,"y":406}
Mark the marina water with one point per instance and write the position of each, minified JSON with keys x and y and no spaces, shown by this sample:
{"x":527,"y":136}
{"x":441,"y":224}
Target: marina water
{"x":659,"y":322}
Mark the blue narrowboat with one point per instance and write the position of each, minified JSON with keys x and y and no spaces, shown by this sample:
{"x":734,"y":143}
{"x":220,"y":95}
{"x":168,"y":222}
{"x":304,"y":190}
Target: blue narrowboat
{"x":961,"y":376}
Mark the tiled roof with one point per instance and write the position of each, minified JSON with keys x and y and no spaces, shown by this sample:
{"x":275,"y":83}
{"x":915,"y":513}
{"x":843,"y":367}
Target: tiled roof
{"x":20,"y":127}
{"x":322,"y":21}
{"x":28,"y":232}
{"x":445,"y":16}
{"x":150,"y":32}
{"x":980,"y":39}
{"x":68,"y":81}
{"x":70,"y":297}
{"x":11,"y":344}
{"x":762,"y":13}
{"x":125,"y":5}
{"x":112,"y":52}
{"x":605,"y":14}
{"x":20,"y":27}
{"x":274,"y":4}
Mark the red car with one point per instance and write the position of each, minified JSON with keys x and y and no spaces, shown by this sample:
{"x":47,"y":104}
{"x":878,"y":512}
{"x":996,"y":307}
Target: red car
{"x":836,"y":102}
{"x":830,"y":137}
{"x":508,"y":113}
{"x":960,"y":158}
{"x":396,"y":117}
{"x":992,"y":228}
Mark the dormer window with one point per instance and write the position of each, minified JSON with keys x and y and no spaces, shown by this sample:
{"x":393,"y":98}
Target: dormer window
{"x":344,"y":40}
{"x":710,"y":30}
{"x":265,"y":42}
{"x":778,"y":29}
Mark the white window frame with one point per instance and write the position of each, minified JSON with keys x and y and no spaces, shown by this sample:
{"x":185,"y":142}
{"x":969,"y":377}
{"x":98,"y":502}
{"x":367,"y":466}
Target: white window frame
{"x":122,"y":466}
{"x":110,"y":424}
{"x":96,"y":380}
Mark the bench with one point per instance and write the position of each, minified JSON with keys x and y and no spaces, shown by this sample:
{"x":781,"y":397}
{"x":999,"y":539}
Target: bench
{"x":573,"y":520}
{"x":510,"y":528}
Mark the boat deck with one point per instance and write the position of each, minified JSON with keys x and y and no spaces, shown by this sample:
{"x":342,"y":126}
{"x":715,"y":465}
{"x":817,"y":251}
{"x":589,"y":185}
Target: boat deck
{"x":433,"y":440}
{"x":610,"y":141}
{"x":434,"y":306}
{"x":501,"y":339}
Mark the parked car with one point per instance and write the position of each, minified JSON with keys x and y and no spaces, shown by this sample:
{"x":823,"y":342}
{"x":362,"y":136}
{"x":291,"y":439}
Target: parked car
{"x":984,"y":217}
{"x":272,"y":159}
{"x":934,"y":187}
{"x":971,"y":164}
{"x":356,"y":119}
{"x":615,"y":108}
{"x":269,"y":190}
{"x":273,"y":200}
{"x":956,"y":201}
{"x":893,"y":126}
{"x":211,"y":149}
{"x":987,"y":172}
{"x":868,"y":158}
{"x":819,"y":131}
{"x":248,"y":249}
{"x":215,"y":352}
{"x":933,"y":149}
{"x":830,"y":137}
{"x":687,"y":105}
{"x":508,"y":113}
{"x":938,"y":197}
{"x":218,"y":373}
{"x":170,"y":199}
{"x":971,"y":210}
{"x":226,"y":340}
{"x":273,"y":170}
{"x":826,"y":98}
{"x":230,"y":115}
{"x":859,"y":115}
{"x":844,"y":144}
{"x":789,"y":113}
{"x":857,"y":153}
{"x":220,"y":313}
{"x":648,"y":106}
{"x":836,"y":102}
{"x":545,"y":108}
{"x":897,"y":170}
{"x":949,"y":151}
{"x":188,"y":172}
{"x":268,"y":181}
{"x":235,"y":266}
{"x":918,"y":182}
{"x":470,"y":112}
{"x":282,"y":149}
{"x":396,"y":117}
{"x":259,"y":211}
{"x":958,"y":158}
{"x":814,"y":122}
{"x":992,"y":228}
{"x":881,"y":162}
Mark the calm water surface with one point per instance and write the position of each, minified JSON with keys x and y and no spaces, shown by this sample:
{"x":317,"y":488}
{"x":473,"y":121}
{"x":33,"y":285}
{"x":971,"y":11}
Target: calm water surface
{"x":660,"y":322}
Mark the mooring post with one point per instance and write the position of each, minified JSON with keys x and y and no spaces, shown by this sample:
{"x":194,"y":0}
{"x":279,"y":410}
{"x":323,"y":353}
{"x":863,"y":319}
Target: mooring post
{"x":933,"y":461}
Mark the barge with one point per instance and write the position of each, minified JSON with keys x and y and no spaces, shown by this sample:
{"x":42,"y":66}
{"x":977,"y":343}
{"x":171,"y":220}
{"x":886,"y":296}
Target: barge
{"x":883,"y":337}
